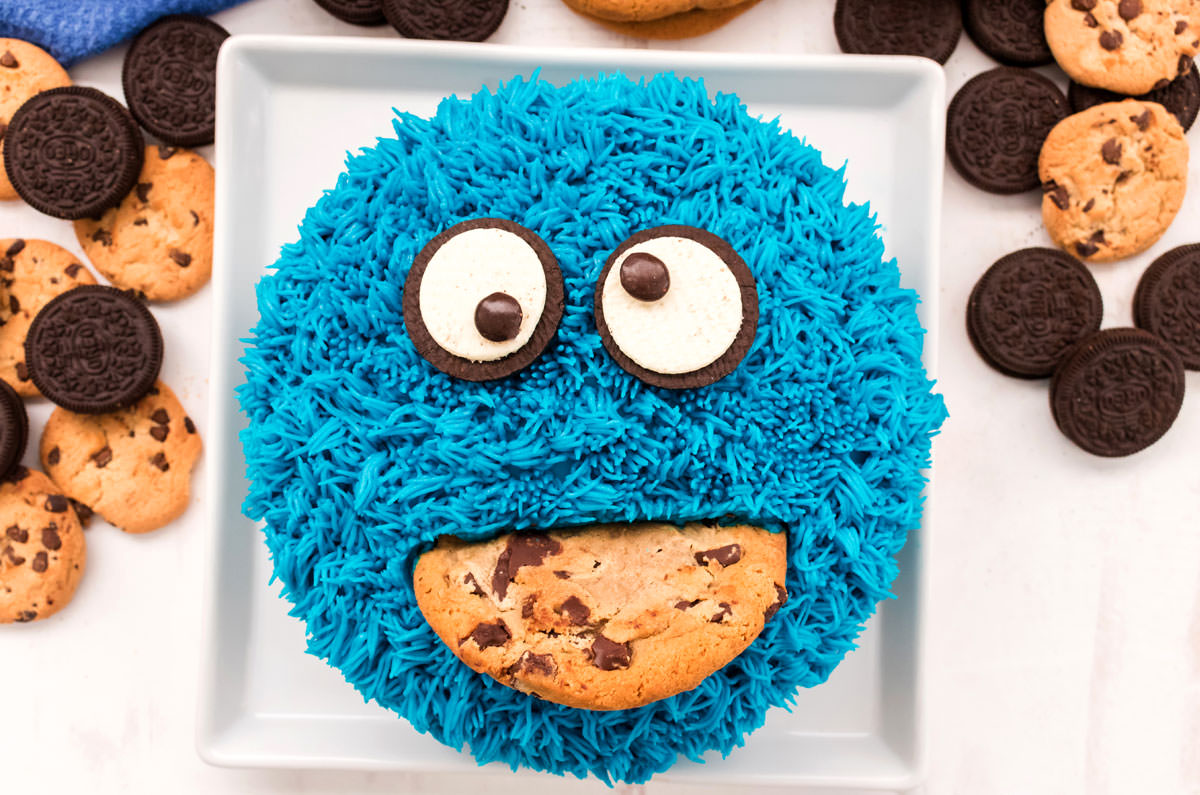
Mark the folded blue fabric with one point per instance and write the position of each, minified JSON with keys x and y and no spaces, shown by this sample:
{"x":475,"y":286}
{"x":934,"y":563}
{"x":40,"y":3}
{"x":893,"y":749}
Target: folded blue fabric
{"x":74,"y":29}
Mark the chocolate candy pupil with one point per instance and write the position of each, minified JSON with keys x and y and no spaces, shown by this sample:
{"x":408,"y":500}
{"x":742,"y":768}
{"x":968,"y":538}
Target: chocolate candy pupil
{"x":498,"y":317}
{"x":645,"y":276}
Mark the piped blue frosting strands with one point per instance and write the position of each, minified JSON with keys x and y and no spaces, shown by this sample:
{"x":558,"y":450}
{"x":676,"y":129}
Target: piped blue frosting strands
{"x":360,"y":454}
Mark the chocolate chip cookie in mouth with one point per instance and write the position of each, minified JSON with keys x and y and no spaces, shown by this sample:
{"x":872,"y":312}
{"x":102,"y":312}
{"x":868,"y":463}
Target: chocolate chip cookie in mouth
{"x":606,"y":616}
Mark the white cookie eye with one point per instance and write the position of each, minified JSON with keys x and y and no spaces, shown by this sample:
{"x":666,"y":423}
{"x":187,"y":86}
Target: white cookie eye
{"x":676,"y":307}
{"x":483,"y":299}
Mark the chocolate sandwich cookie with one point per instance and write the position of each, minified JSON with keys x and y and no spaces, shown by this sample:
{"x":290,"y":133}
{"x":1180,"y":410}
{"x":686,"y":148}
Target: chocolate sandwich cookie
{"x":357,"y":12}
{"x":455,"y":20}
{"x":1030,"y":308}
{"x":483,"y":299}
{"x":72,"y":152}
{"x":25,"y":70}
{"x":676,"y":307}
{"x":898,"y":27}
{"x":995,"y":127}
{"x":170,"y":78}
{"x":94,"y":349}
{"x":1009,"y":31}
{"x":14,"y":429}
{"x":1167,"y":302}
{"x":1117,"y":392}
{"x":1181,"y":97}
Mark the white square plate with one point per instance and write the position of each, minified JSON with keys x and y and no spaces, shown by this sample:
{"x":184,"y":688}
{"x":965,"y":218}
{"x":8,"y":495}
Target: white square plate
{"x":288,"y":111}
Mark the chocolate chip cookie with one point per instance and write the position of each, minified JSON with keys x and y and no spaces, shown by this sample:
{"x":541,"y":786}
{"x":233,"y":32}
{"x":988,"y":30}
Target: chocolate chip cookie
{"x":42,"y":549}
{"x":608,"y":617}
{"x":1113,"y":178}
{"x":133,"y":467}
{"x":31,"y":273}
{"x":158,"y":241}
{"x":1126,"y":46}
{"x":25,"y":70}
{"x":643,"y":10}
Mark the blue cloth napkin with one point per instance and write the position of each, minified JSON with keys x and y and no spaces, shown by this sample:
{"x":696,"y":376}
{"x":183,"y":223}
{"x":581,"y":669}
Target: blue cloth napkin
{"x":74,"y":29}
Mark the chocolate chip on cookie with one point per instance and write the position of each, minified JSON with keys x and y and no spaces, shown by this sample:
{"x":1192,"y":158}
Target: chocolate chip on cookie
{"x":608,"y":617}
{"x":72,"y":152}
{"x":158,"y":240}
{"x":995,"y":127}
{"x":1167,"y":302}
{"x":457,"y":20}
{"x":1181,"y":96}
{"x":29,"y":70}
{"x":1117,"y":392}
{"x":94,"y":349}
{"x":1030,"y":308}
{"x":898,"y":27}
{"x":132,"y":466}
{"x":170,"y":78}
{"x":1009,"y":31}
{"x":367,"y":13}
{"x":1114,"y":177}
{"x":42,"y":552}
{"x":14,"y":429}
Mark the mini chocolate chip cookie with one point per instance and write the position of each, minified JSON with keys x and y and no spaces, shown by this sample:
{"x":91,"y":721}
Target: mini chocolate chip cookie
{"x":1113,"y":178}
{"x":607,"y":617}
{"x":133,"y":467}
{"x":1126,"y":46}
{"x":42,"y":550}
{"x":25,"y":70}
{"x":31,"y":273}
{"x":158,"y":241}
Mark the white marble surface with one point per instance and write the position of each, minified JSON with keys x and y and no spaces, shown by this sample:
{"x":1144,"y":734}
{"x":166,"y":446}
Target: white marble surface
{"x":1065,"y":619}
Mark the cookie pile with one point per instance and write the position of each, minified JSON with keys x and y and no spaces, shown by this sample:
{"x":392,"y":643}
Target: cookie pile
{"x":119,"y":443}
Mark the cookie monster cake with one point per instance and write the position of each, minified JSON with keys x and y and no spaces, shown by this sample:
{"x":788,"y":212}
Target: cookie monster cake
{"x":553,"y":332}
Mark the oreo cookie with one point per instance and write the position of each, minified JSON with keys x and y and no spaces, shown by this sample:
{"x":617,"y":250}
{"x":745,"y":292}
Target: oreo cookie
{"x":14,"y":429}
{"x":1181,"y":97}
{"x":94,"y":349}
{"x":367,"y":13}
{"x":72,"y":152}
{"x":898,"y":27}
{"x":455,"y":20}
{"x":1030,"y":308}
{"x":1011,"y":31}
{"x":1117,"y":392}
{"x":1167,"y":302}
{"x":170,"y":78}
{"x":995,"y":127}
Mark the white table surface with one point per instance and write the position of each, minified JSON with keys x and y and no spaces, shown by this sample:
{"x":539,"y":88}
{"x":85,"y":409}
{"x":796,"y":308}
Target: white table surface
{"x":1065,"y":618}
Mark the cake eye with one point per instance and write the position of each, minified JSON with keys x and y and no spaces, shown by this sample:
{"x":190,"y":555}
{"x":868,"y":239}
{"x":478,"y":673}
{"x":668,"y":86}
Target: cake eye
{"x":483,"y":299}
{"x":676,"y":307}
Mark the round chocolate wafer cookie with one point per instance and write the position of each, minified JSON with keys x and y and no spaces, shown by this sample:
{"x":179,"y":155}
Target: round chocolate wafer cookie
{"x":1030,"y":308}
{"x":455,"y":20}
{"x":367,"y":13}
{"x":995,"y":127}
{"x":1009,"y":31}
{"x":898,"y":27}
{"x":14,"y":429}
{"x":72,"y":152}
{"x":1117,"y":392}
{"x":676,"y":307}
{"x":1181,"y":97}
{"x":94,"y":349}
{"x":1167,"y":302}
{"x":483,"y":299}
{"x":170,"y":78}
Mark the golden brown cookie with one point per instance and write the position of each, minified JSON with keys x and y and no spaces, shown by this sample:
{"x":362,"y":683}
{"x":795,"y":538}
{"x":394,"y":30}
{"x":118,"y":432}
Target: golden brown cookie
{"x":25,"y":70}
{"x":643,"y":10}
{"x":31,"y":273}
{"x":42,"y":550}
{"x":1127,"y":46}
{"x":1113,"y":178}
{"x":158,"y":241}
{"x":609,"y":617}
{"x":684,"y":25}
{"x":133,"y":467}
